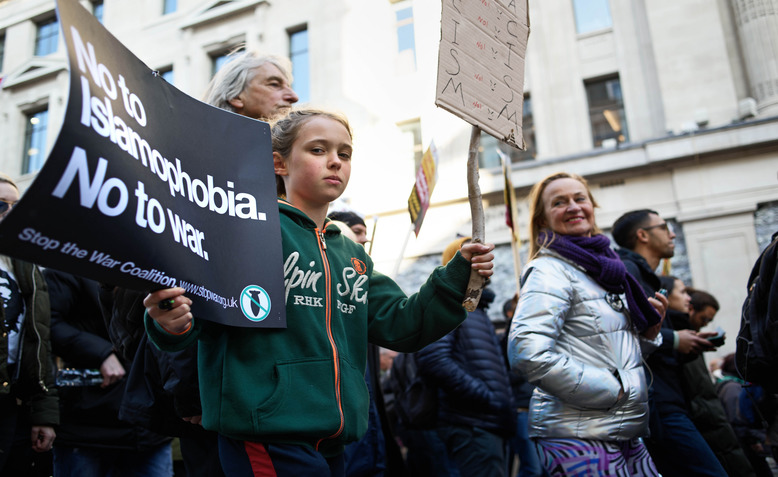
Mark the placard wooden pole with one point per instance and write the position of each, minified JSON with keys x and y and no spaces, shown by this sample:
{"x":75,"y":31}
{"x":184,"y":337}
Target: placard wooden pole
{"x":477,"y":282}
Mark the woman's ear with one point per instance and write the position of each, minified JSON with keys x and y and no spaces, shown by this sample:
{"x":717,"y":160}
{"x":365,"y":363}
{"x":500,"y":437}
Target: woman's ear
{"x":279,"y":165}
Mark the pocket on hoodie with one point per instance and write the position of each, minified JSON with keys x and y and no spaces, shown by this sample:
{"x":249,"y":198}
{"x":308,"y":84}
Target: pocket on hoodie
{"x":303,"y":402}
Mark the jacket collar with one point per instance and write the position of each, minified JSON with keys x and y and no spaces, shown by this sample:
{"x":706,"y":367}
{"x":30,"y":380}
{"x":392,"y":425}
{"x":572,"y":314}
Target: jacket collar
{"x":300,"y":218}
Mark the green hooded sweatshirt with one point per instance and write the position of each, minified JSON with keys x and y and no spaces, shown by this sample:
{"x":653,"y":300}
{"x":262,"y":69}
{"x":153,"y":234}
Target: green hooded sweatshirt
{"x":305,"y":384}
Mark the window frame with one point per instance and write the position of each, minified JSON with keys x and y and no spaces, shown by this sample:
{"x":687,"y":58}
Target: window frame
{"x":46,"y":42}
{"x":35,"y":135}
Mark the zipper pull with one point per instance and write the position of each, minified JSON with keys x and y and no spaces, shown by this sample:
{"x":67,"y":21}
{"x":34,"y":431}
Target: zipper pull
{"x":323,"y":242}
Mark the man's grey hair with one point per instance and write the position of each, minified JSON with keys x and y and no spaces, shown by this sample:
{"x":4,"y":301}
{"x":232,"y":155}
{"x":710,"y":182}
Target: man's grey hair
{"x":236,"y":74}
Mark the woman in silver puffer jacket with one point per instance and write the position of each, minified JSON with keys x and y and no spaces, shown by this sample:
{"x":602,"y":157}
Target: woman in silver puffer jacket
{"x":578,"y":334}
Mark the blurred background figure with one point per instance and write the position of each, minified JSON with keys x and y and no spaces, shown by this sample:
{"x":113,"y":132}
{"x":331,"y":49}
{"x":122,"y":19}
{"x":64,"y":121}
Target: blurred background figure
{"x":692,"y":312}
{"x":92,"y":440}
{"x":752,"y":413}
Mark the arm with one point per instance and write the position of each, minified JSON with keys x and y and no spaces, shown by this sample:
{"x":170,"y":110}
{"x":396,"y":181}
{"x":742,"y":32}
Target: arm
{"x":407,"y":324}
{"x":546,"y":298}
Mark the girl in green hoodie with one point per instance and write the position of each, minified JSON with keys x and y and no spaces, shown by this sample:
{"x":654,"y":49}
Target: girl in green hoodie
{"x":286,"y":401}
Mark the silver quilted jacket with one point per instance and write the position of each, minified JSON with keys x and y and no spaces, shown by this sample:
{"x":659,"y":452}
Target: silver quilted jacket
{"x":579,"y":352}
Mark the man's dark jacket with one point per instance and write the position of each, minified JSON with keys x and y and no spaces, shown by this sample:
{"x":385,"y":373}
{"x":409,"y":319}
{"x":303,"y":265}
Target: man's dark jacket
{"x":468,"y":367}
{"x":89,"y":414}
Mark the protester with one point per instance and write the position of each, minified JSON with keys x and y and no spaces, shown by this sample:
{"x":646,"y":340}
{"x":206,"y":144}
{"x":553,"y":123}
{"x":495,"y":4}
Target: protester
{"x":354,"y":222}
{"x":28,"y":400}
{"x":289,"y":400}
{"x":253,"y":84}
{"x":475,"y":412}
{"x":675,"y":444}
{"x":705,"y":409}
{"x":91,"y":439}
{"x":581,"y":325}
{"x":164,"y":396}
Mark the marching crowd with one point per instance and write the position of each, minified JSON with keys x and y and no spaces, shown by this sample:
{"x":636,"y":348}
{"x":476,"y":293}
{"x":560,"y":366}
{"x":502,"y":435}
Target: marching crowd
{"x":599,"y":369}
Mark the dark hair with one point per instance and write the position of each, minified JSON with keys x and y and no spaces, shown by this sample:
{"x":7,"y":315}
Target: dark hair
{"x":347,"y":217}
{"x":702,"y":299}
{"x":728,"y":365}
{"x":668,"y":282}
{"x":626,"y":227}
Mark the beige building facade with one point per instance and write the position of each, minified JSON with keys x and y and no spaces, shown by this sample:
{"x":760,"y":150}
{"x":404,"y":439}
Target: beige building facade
{"x":665,"y":105}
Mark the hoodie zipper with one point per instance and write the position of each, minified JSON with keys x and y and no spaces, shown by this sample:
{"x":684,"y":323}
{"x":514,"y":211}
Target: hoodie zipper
{"x":328,"y":320}
{"x":41,"y":382}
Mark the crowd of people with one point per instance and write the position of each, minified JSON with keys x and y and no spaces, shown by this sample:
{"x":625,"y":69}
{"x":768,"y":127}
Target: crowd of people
{"x":597,"y":369}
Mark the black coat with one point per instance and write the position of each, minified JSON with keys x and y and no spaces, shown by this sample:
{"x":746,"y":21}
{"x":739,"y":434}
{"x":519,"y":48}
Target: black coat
{"x":469,"y":369}
{"x":89,"y":414}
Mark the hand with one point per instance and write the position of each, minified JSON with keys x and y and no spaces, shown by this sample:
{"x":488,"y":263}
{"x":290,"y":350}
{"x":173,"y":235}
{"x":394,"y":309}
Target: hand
{"x":651,"y":332}
{"x":42,"y":438}
{"x":706,"y":335}
{"x":480,"y":257}
{"x":176,"y":319}
{"x":112,"y":370}
{"x":659,"y":302}
{"x":197,"y":420}
{"x":690,"y":343}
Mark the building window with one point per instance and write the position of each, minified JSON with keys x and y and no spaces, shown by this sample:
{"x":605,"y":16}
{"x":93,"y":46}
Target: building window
{"x":592,"y":15}
{"x":35,"y":141}
{"x":218,"y":60}
{"x":411,"y":134}
{"x":406,"y":42}
{"x":167,"y":75}
{"x":97,"y":10}
{"x":169,"y":6}
{"x":301,"y":70}
{"x":47,"y":37}
{"x":606,"y":111}
{"x":2,"y":51}
{"x":488,"y":156}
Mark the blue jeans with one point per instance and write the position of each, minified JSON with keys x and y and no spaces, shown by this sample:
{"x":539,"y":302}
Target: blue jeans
{"x":681,"y":450}
{"x":91,"y":462}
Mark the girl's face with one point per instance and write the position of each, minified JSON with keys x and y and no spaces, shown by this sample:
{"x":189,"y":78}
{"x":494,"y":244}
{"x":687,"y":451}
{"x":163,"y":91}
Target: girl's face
{"x":567,"y":208}
{"x":678,"y":299}
{"x":319,"y":165}
{"x":9,"y":195}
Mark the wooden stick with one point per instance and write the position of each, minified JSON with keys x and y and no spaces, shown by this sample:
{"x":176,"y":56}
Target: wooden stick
{"x":477,"y":282}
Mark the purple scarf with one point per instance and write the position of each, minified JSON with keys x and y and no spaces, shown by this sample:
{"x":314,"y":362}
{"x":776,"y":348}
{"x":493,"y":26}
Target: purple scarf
{"x":606,"y":268}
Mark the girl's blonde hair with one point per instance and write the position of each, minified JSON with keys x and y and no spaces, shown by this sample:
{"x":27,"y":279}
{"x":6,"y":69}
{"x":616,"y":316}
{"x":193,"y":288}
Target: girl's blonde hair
{"x":537,"y":212}
{"x":284,"y":131}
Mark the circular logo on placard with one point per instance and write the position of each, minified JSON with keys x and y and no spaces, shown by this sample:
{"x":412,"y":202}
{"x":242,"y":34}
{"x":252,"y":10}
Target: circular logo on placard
{"x":255,"y":303}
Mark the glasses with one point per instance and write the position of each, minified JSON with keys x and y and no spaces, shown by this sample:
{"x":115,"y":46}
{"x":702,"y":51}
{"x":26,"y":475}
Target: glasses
{"x":664,"y":226}
{"x":6,"y":205}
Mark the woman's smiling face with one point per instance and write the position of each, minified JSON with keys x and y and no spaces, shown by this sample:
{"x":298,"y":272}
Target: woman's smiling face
{"x":567,"y":208}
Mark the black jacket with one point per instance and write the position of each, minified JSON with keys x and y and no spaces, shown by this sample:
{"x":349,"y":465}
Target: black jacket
{"x":469,"y":369}
{"x":32,"y":381}
{"x":89,"y":414}
{"x":665,"y":394}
